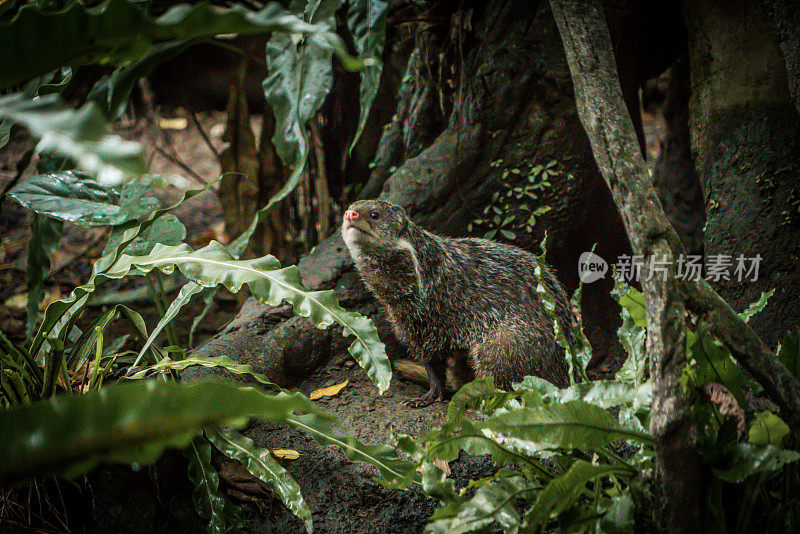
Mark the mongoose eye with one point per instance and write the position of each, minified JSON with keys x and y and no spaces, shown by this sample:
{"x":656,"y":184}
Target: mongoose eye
{"x":374,"y":215}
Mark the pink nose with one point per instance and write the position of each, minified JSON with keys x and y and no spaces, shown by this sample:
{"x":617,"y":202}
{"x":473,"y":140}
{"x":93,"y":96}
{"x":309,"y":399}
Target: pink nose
{"x":350,"y":215}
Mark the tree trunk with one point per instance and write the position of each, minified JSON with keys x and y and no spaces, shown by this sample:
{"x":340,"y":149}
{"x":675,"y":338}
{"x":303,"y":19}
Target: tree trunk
{"x":784,"y":16}
{"x":746,"y":141}
{"x":602,"y":110}
{"x":674,"y":175}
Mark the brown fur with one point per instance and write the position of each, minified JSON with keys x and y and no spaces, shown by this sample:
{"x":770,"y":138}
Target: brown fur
{"x":466,"y":308}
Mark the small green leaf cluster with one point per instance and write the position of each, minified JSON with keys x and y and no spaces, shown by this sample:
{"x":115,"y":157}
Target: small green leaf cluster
{"x":516,"y":205}
{"x":558,"y":452}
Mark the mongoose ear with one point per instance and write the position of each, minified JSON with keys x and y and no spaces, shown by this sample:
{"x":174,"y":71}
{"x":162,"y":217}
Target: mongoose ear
{"x":401,"y":214}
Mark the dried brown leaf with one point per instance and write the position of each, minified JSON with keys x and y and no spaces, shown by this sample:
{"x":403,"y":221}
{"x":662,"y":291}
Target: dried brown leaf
{"x":726,"y":403}
{"x":443,"y":465}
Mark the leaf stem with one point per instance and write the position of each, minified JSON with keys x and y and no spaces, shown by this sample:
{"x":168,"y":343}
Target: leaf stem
{"x":172,"y":334}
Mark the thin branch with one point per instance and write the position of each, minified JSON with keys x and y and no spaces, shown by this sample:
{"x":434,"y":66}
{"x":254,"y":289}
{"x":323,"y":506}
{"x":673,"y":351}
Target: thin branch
{"x":615,"y":146}
{"x":203,"y":134}
{"x":181,"y":164}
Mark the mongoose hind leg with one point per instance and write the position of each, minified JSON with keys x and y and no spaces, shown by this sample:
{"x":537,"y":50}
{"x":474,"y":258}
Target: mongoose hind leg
{"x":436,"y":376}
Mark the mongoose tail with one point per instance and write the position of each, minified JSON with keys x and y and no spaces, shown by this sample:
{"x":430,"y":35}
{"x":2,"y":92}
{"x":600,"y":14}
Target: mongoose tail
{"x":417,"y":373}
{"x":411,"y":371}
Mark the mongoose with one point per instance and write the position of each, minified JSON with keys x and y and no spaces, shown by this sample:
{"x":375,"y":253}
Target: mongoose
{"x":467,"y":308}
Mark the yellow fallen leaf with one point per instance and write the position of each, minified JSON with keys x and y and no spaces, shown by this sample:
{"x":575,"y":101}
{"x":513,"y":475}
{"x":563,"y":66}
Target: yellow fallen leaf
{"x":285,"y":454}
{"x":17,"y":301}
{"x":329,"y":391}
{"x":177,"y":123}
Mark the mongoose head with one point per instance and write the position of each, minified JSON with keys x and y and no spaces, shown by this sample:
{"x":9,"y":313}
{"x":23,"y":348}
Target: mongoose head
{"x":373,"y":224}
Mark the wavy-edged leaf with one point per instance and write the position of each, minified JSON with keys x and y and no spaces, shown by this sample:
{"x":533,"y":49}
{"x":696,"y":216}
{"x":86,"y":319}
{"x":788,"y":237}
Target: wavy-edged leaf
{"x":458,"y":433}
{"x":477,"y":394}
{"x":757,"y":306}
{"x":618,"y":518}
{"x":366,"y":20}
{"x":571,"y":425}
{"x":79,"y":134}
{"x":562,"y":492}
{"x":300,"y":78}
{"x":74,"y":197}
{"x":633,"y":338}
{"x":746,"y":459}
{"x":62,"y":312}
{"x":213,"y":265}
{"x":222,"y":362}
{"x":494,"y":501}
{"x":474,"y":440}
{"x":261,"y":464}
{"x":133,"y":422}
{"x":576,"y":347}
{"x":35,"y":41}
{"x":45,"y":235}
{"x":392,"y":468}
{"x":632,"y":333}
{"x":603,"y":393}
{"x":210,"y":503}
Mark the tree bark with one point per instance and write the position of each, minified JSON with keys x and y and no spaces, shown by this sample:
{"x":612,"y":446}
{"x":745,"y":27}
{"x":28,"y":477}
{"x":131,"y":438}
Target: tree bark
{"x":784,"y":16}
{"x":745,"y":135}
{"x":603,"y":113}
{"x":674,"y":175}
{"x":746,"y":144}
